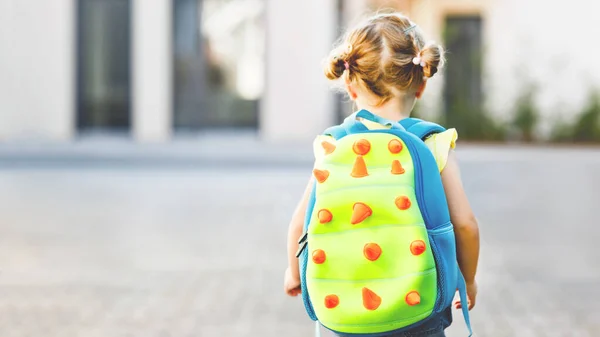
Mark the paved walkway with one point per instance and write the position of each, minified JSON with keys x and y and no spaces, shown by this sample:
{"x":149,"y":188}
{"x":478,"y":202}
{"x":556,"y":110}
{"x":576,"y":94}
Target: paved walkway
{"x":199,"y":250}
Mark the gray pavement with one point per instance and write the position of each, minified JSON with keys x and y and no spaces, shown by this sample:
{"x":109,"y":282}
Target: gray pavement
{"x":191,"y":249}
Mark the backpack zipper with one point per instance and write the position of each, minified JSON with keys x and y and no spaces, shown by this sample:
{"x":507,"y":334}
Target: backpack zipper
{"x":303,"y":242}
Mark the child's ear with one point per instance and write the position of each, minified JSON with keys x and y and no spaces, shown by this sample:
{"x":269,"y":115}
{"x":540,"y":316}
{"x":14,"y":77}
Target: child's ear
{"x":350,"y":89}
{"x":421,"y":89}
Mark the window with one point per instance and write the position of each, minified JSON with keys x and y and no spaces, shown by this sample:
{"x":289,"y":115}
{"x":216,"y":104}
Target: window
{"x":218,"y":62}
{"x":103,"y":64}
{"x":463,"y":75}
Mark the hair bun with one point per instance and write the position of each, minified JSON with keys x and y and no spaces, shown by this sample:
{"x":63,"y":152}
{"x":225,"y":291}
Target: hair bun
{"x":431,"y":58}
{"x":335,"y":68}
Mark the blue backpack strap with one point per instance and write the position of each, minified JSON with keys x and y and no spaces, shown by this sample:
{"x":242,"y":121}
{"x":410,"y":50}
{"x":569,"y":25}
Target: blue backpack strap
{"x":424,"y":129}
{"x":337,"y":132}
{"x":421,"y":128}
{"x":462,"y":292}
{"x":418,"y":127}
{"x":302,"y":254}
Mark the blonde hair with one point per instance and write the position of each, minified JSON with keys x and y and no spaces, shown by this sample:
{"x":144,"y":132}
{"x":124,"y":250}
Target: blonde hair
{"x":384,"y":53}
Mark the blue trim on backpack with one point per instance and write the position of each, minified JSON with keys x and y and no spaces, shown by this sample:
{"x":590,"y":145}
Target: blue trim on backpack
{"x":462,"y":292}
{"x":303,"y":259}
{"x":432,"y":202}
{"x":421,"y":128}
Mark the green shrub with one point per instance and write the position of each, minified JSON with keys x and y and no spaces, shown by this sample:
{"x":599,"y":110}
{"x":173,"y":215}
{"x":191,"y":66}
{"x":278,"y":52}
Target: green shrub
{"x":561,"y":132}
{"x":585,"y":129}
{"x":526,"y":115}
{"x":474,"y":123}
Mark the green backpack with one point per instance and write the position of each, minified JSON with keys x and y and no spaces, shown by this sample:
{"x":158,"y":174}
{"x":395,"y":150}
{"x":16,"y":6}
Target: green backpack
{"x":378,"y":253}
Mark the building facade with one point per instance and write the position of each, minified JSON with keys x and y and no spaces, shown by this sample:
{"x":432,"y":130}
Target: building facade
{"x":153,"y":69}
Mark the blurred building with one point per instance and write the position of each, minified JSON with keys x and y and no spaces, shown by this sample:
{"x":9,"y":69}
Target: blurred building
{"x":501,"y":51}
{"x":154,"y":68}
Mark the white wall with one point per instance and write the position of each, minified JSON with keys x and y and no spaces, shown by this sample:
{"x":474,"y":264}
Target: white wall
{"x":298,"y":104}
{"x":37,"y":69}
{"x":553,"y":45}
{"x":152,"y":70}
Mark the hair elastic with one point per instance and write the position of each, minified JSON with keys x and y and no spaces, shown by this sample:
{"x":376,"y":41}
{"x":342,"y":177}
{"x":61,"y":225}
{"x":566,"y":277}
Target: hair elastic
{"x":410,"y":28}
{"x":418,"y":61}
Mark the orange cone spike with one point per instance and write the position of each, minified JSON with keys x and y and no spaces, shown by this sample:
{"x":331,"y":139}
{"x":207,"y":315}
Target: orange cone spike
{"x":360,"y":168}
{"x":370,"y":299}
{"x":413,"y":298}
{"x":417,"y":247}
{"x":403,"y":203}
{"x":321,"y":175}
{"x":360,"y":213}
{"x":361,"y":147}
{"x":318,"y":256}
{"x":331,"y":301}
{"x":397,"y":167}
{"x":325,"y":216}
{"x":329,"y":148}
{"x":372,"y":251}
{"x":395,"y":146}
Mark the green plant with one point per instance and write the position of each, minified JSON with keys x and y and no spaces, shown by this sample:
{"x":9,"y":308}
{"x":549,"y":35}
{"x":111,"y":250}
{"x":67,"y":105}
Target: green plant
{"x":587,"y":127}
{"x":561,"y":132}
{"x":526,"y":115}
{"x":473,"y":122}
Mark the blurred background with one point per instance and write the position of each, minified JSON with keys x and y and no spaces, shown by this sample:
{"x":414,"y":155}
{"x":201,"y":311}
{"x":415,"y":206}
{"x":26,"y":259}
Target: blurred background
{"x":152,"y":153}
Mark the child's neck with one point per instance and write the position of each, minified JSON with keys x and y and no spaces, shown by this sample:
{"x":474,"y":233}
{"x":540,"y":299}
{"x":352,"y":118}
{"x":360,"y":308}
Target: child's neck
{"x":395,"y":109}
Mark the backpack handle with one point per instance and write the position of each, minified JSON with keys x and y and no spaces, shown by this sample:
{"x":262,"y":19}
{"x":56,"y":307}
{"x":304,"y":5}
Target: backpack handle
{"x":352,"y":125}
{"x":377,"y":119}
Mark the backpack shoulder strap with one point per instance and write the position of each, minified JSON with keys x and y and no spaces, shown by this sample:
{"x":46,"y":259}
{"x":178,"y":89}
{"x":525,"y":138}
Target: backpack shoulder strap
{"x":421,"y":128}
{"x":337,"y":132}
{"x":424,"y":129}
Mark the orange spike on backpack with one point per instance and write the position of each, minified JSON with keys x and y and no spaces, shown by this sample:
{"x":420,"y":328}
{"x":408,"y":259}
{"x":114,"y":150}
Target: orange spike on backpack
{"x":360,"y":168}
{"x":397,"y":167}
{"x":325,"y":216}
{"x":371,"y":300}
{"x":321,"y":175}
{"x":413,"y":298}
{"x":331,"y":301}
{"x":360,"y":212}
{"x":361,"y":147}
{"x":318,"y":256}
{"x":395,"y":146}
{"x":403,"y":203}
{"x":372,"y":251}
{"x":417,"y":247}
{"x":329,"y":148}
